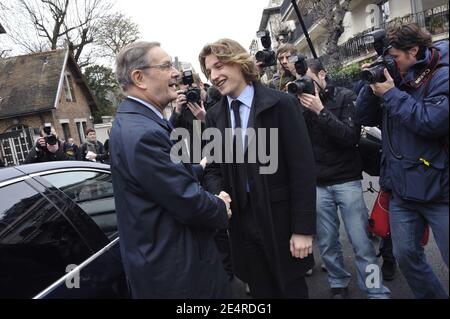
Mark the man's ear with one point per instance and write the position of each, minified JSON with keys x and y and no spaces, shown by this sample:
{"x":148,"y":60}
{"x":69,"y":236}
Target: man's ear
{"x":414,"y":51}
{"x":322,"y":74}
{"x":137,"y":77}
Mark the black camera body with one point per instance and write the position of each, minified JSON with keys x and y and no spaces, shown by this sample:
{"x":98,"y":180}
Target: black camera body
{"x":50,"y":138}
{"x":192,"y":93}
{"x":375,"y":72}
{"x":299,"y":60}
{"x":303,"y":85}
{"x":267,"y":56}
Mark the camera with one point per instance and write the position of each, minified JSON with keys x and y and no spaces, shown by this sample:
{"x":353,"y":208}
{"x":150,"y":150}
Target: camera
{"x":303,"y":85}
{"x":299,"y":61}
{"x":192,"y":93}
{"x":375,"y":72}
{"x":50,"y":138}
{"x":267,"y":56}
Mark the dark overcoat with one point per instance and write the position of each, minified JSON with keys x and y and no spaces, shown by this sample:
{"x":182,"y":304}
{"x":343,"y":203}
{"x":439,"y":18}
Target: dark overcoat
{"x":284,"y":202}
{"x":166,"y":220}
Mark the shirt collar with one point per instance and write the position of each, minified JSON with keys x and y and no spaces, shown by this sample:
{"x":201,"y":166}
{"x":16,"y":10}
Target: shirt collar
{"x":151,"y":107}
{"x":246,"y":97}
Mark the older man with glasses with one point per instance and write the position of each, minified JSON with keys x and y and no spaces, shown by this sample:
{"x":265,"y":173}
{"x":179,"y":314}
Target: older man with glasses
{"x":166,"y":220}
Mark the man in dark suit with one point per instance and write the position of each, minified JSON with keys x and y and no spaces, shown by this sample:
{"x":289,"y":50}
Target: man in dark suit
{"x":166,"y":220}
{"x":273,"y":214}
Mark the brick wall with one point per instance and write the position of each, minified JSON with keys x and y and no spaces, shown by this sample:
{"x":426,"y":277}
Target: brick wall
{"x":72,"y":111}
{"x":65,"y":111}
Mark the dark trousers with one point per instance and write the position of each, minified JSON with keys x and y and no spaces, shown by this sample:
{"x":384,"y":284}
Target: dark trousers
{"x":223,"y":246}
{"x":262,"y":280}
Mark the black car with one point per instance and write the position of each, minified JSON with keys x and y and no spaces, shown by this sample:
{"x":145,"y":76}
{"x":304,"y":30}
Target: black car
{"x":58,"y":232}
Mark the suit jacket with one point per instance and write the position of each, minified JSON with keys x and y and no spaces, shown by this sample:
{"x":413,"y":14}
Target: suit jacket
{"x":284,"y":202}
{"x":166,"y":220}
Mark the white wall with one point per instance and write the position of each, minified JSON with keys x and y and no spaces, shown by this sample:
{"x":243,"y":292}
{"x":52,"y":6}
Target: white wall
{"x":101,"y":130}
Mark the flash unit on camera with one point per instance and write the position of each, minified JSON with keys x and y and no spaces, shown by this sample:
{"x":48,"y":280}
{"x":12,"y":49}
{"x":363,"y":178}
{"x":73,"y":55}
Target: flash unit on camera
{"x":293,"y":59}
{"x":369,"y":39}
{"x":261,"y":34}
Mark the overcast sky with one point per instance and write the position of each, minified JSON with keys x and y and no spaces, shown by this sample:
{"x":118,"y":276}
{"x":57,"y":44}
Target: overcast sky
{"x":183,"y":27}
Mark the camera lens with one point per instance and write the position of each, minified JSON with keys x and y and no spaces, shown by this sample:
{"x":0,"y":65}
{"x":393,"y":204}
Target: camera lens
{"x":368,"y":76}
{"x":261,"y":56}
{"x":193,"y":96}
{"x":50,"y":140}
{"x":296,"y":87}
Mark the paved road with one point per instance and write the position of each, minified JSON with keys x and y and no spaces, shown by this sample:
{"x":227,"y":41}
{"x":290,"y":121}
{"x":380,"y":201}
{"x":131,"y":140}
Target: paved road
{"x":318,"y":284}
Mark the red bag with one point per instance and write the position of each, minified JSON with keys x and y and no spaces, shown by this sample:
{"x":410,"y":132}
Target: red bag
{"x":379,"y":218}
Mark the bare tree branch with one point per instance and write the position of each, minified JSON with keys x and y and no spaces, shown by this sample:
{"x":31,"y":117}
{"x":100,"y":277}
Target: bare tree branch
{"x":50,"y":24}
{"x":116,"y":32}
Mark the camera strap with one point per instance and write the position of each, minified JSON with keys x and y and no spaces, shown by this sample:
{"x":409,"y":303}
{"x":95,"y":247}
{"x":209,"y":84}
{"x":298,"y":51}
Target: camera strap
{"x":424,"y":77}
{"x":426,"y":74}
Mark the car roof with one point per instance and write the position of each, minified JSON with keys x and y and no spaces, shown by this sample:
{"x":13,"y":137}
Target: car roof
{"x":9,"y":173}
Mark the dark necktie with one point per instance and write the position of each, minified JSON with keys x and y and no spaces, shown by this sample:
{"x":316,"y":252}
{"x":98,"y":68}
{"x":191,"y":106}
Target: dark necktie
{"x":239,"y":168}
{"x":235,"y":105}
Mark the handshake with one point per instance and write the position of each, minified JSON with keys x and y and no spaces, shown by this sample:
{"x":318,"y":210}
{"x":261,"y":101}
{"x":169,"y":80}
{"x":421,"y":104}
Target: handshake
{"x":227,"y":200}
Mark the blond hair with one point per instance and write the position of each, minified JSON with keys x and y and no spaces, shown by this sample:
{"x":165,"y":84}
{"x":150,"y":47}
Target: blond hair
{"x":229,"y":51}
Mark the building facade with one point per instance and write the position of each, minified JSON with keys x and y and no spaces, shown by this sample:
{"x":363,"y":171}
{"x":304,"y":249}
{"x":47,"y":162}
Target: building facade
{"x":38,"y":89}
{"x":362,"y":17}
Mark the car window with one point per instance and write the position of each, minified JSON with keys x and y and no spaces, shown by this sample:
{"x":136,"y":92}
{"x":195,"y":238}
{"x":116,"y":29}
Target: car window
{"x":93,"y":192}
{"x":37,"y":242}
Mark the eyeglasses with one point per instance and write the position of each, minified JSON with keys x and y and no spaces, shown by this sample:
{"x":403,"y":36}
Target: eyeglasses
{"x":162,"y":66}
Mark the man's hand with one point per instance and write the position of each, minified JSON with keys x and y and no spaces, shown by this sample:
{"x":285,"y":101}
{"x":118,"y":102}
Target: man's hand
{"x":41,"y":142}
{"x":227,"y":200}
{"x":379,"y":89}
{"x":301,"y":245}
{"x":293,"y":71}
{"x":198,"y":110}
{"x":91,"y":156}
{"x":260,"y":67}
{"x":203,"y":162}
{"x":311,"y":102}
{"x":181,"y":100}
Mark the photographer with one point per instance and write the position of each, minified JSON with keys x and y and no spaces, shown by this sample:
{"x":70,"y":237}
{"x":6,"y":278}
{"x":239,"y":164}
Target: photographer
{"x":48,"y":148}
{"x":184,"y":114}
{"x":329,"y":113}
{"x":92,"y":150}
{"x":413,"y":112}
{"x":287,"y":72}
{"x":187,"y":111}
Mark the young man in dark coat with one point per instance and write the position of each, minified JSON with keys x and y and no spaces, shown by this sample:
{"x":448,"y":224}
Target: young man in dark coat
{"x":274,"y":210}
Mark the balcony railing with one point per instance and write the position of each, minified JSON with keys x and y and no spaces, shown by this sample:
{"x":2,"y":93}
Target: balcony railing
{"x":435,"y":20}
{"x":309,"y":19}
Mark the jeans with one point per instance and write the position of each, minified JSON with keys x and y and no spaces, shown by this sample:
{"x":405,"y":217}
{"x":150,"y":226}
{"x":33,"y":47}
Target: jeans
{"x":408,"y":221}
{"x":348,"y":197}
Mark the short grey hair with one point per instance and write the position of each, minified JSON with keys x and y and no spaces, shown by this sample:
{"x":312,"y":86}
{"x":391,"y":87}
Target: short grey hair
{"x":132,"y":57}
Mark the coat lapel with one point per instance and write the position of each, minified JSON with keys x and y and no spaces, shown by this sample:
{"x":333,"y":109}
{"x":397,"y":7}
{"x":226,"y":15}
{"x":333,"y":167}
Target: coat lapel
{"x":134,"y":107}
{"x":262,"y":101}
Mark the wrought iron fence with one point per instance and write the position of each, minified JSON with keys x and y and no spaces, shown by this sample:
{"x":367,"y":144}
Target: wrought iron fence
{"x":435,"y":20}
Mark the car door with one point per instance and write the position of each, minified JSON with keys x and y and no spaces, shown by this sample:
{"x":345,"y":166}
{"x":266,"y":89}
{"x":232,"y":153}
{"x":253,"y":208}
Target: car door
{"x":38,"y":243}
{"x":90,"y":194}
